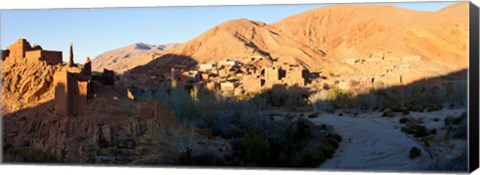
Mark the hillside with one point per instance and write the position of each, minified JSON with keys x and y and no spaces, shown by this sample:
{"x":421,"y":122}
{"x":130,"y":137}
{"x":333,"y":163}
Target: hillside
{"x":323,"y":39}
{"x":242,"y":38}
{"x":352,"y":31}
{"x":128,"y":57}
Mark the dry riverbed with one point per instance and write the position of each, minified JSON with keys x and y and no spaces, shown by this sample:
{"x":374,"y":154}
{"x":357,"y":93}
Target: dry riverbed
{"x":372,"y":142}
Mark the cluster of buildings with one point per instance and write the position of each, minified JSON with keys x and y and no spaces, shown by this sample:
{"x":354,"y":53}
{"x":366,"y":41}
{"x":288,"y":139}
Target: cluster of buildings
{"x":395,"y":73}
{"x":230,"y":76}
{"x":73,"y":83}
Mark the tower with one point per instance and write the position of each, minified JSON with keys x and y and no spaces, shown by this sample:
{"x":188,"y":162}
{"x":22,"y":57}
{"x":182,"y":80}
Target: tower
{"x":70,"y":57}
{"x":88,"y":66}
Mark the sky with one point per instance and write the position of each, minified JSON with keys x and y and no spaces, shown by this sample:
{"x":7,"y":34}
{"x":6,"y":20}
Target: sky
{"x":94,"y":31}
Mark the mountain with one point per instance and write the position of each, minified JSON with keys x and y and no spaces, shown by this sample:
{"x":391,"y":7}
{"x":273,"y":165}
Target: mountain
{"x":128,"y":57}
{"x":322,"y":39}
{"x":352,"y":31}
{"x":242,"y":38}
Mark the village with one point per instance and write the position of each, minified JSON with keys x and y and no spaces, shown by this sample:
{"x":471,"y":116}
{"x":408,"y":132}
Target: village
{"x":239,"y":77}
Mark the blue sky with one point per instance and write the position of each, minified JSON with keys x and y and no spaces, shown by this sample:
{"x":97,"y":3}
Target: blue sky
{"x":94,"y":31}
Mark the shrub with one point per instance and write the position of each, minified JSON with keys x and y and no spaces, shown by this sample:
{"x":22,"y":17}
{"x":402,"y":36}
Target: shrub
{"x":31,"y":155}
{"x":388,"y":113}
{"x":337,"y":137}
{"x":313,"y":115}
{"x":434,"y":108}
{"x":416,"y":130}
{"x":333,"y":142}
{"x":327,"y":149}
{"x":308,"y":157}
{"x":257,"y":150}
{"x":322,"y":101}
{"x":303,"y":129}
{"x":403,"y":120}
{"x":404,"y":111}
{"x":414,"y":153}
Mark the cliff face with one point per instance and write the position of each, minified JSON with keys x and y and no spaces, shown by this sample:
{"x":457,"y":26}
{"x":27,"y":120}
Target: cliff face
{"x":84,"y":139}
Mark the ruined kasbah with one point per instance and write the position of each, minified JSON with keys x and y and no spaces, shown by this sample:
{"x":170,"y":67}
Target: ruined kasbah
{"x":73,"y":83}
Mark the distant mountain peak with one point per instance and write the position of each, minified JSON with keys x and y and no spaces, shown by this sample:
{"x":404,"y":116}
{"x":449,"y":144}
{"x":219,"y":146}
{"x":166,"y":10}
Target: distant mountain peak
{"x":129,"y":56}
{"x":143,"y":46}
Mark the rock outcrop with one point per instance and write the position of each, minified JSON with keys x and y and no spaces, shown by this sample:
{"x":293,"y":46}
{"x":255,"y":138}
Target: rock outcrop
{"x":25,"y":85}
{"x":109,"y":122}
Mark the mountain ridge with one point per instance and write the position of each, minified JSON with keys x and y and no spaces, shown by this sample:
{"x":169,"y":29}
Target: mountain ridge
{"x":127,"y":57}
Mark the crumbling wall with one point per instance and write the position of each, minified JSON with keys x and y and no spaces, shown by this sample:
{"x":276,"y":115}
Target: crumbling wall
{"x":17,"y":51}
{"x":51,"y":57}
{"x":61,"y":91}
{"x":70,"y":94}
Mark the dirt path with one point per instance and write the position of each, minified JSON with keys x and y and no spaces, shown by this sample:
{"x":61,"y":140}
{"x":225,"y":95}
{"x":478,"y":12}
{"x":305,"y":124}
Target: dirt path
{"x":370,"y":144}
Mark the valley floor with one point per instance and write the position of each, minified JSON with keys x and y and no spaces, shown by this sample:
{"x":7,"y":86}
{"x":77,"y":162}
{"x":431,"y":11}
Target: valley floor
{"x":372,"y":142}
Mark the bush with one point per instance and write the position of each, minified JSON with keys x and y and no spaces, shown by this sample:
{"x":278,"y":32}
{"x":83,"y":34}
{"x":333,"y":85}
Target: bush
{"x":333,"y":142}
{"x":336,"y":137}
{"x":414,"y":153}
{"x":327,"y":149}
{"x":30,"y":155}
{"x":308,"y":157}
{"x":434,"y":108}
{"x":313,"y":115}
{"x":257,"y":150}
{"x":404,"y":111}
{"x":416,"y":130}
{"x":322,"y":101}
{"x":388,"y":113}
{"x":403,"y":120}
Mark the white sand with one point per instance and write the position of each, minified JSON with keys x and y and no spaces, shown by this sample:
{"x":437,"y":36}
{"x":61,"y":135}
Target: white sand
{"x":372,"y":144}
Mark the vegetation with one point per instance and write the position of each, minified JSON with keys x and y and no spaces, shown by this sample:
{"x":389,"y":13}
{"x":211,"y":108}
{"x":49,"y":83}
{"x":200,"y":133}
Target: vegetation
{"x":414,"y":153}
{"x":29,"y":155}
{"x":313,"y":115}
{"x":403,"y":120}
{"x":257,"y":150}
{"x":257,"y":140}
{"x":418,"y":130}
{"x":400,"y":99}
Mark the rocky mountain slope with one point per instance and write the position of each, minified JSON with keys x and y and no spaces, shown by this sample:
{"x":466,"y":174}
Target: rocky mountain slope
{"x":113,"y":130}
{"x":352,"y":31}
{"x":25,"y":85}
{"x":128,"y":57}
{"x":323,"y":38}
{"x":242,"y":38}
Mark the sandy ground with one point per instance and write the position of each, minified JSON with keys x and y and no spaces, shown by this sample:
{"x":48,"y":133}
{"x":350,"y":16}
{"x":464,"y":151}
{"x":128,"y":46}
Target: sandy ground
{"x":372,"y":144}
